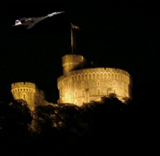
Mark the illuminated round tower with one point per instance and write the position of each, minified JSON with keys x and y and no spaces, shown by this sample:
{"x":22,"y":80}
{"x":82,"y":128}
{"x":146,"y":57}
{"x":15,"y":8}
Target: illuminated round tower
{"x":80,"y":85}
{"x":25,"y":91}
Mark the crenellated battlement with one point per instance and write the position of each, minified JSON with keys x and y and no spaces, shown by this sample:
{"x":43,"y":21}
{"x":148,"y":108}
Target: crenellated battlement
{"x":23,"y":84}
{"x":98,"y":73}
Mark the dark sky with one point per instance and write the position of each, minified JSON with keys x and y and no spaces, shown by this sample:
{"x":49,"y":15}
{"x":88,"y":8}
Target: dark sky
{"x":112,"y":35}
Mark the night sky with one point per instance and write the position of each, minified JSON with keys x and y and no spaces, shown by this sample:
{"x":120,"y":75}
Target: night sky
{"x":111,"y":35}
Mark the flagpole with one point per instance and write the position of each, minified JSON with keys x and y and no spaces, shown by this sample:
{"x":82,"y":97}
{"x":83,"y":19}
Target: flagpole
{"x":71,"y":39}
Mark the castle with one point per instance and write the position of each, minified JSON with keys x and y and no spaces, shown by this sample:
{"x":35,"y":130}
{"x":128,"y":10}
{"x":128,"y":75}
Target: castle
{"x":78,"y":84}
{"x":28,"y":92}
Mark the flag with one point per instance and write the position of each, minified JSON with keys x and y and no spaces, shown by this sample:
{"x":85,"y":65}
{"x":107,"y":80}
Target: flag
{"x":74,"y":26}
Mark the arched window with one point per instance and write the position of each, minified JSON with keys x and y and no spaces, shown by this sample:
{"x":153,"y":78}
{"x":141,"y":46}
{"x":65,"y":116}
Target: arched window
{"x":118,"y":76}
{"x":98,"y":83}
{"x":98,"y":91}
{"x":97,"y":75}
{"x":93,"y":75}
{"x":79,"y":78}
{"x":86,"y":76}
{"x":82,"y":77}
{"x":105,"y":76}
{"x":75,"y":78}
{"x":115,"y":76}
{"x":24,"y":96}
{"x":109,"y":75}
{"x":101,"y":75}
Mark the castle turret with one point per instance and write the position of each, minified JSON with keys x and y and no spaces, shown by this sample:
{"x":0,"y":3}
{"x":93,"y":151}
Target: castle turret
{"x":25,"y":91}
{"x":71,"y":62}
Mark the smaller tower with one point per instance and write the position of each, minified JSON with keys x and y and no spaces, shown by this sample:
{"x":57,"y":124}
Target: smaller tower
{"x":71,"y":62}
{"x":25,"y":91}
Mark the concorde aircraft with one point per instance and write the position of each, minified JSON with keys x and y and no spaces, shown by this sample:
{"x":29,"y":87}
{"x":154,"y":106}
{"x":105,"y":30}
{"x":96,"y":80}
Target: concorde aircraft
{"x":29,"y":22}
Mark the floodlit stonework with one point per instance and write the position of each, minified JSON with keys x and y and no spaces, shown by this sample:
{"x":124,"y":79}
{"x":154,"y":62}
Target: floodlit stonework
{"x":80,"y":85}
{"x":29,"y":92}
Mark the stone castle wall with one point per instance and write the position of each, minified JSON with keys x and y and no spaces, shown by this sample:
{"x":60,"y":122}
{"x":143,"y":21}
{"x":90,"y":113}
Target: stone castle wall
{"x":85,"y":85}
{"x":29,"y":92}
{"x":78,"y":85}
{"x":72,"y":62}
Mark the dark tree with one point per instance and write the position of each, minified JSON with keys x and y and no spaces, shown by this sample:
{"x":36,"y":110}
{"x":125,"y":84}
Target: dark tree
{"x":14,"y":120}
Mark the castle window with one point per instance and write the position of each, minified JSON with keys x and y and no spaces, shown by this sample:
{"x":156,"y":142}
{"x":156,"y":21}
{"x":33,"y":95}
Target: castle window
{"x":24,"y":96}
{"x":109,"y":75}
{"x":79,"y":78}
{"x":82,"y":77}
{"x":101,"y":76}
{"x":93,"y":76}
{"x":72,"y":78}
{"x":115,"y":76}
{"x":98,"y":92}
{"x":97,"y":76}
{"x":118,"y":76}
{"x":75,"y":78}
{"x":105,"y":76}
{"x":85,"y":76}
